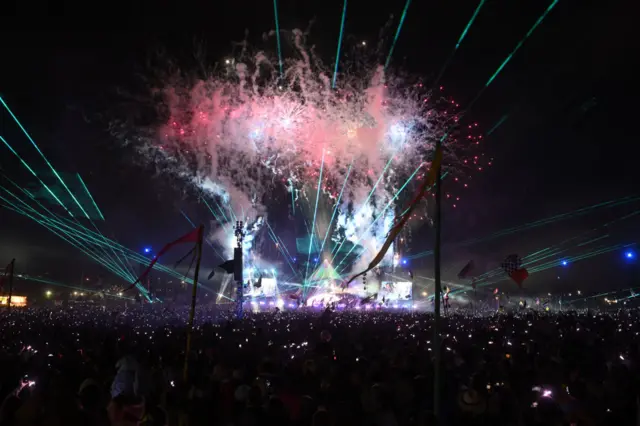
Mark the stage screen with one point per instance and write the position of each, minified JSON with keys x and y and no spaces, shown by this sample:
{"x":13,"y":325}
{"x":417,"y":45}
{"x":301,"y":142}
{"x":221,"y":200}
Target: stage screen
{"x":267,"y":289}
{"x":392,"y":291}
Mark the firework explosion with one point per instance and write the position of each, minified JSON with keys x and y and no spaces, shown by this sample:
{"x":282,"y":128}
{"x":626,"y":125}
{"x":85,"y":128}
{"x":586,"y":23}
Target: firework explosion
{"x":247,"y":129}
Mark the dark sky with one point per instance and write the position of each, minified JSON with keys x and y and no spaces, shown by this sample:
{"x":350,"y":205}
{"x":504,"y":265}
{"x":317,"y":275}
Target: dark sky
{"x":569,"y":140}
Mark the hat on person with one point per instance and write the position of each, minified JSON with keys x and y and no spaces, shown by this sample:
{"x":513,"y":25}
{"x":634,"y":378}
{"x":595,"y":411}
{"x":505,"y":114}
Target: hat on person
{"x":471,"y":402}
{"x":242,"y":393}
{"x":87,"y":384}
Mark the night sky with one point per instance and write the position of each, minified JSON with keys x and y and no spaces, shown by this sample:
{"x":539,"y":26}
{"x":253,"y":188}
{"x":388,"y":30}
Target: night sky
{"x":569,"y":139}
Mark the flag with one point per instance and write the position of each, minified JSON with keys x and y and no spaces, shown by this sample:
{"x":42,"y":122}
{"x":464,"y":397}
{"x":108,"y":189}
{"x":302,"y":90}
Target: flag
{"x":466,"y":271}
{"x":511,"y":262}
{"x":397,"y":227}
{"x":296,"y":295}
{"x":192,"y":237}
{"x":512,"y":265}
{"x":519,"y":275}
{"x":226,"y":266}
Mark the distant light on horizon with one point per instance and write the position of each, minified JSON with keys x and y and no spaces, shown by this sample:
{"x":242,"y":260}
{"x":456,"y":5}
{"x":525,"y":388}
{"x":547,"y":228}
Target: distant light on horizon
{"x":147,"y":249}
{"x":564,"y":263}
{"x":630,"y":255}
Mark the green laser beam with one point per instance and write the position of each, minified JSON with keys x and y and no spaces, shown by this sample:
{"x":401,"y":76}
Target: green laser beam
{"x":44,"y":185}
{"x":498,"y":124}
{"x":208,"y":242}
{"x":373,"y":189}
{"x":335,"y":69}
{"x":535,"y":224}
{"x":515,"y":50}
{"x":395,"y":39}
{"x":42,"y":155}
{"x":459,"y":42}
{"x":86,"y":234}
{"x":315,"y":212}
{"x":29,"y":195}
{"x":33,"y":211}
{"x":69,"y":239}
{"x":335,"y":208}
{"x":379,"y":215}
{"x":275,"y":14}
{"x":90,"y":196}
{"x":24,"y":277}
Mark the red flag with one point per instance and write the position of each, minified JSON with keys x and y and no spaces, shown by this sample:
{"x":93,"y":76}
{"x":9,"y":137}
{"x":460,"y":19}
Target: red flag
{"x":192,"y":237}
{"x":466,"y":271}
{"x":519,"y":275}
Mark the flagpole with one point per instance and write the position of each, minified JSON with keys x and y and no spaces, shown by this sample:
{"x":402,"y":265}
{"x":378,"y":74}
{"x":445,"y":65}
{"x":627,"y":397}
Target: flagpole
{"x":438,"y":292}
{"x":13,"y":265}
{"x":192,"y":313}
{"x":238,"y":269}
{"x":475,"y":297}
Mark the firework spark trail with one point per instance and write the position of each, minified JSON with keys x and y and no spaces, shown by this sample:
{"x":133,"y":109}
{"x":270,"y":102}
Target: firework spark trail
{"x":475,"y":99}
{"x":239,"y":135}
{"x":42,"y":155}
{"x":315,"y":211}
{"x":455,"y":49}
{"x":395,"y":39}
{"x":335,"y":70}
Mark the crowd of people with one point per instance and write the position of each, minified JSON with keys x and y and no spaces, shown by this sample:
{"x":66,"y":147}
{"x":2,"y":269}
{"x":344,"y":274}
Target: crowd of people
{"x":86,"y":366}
